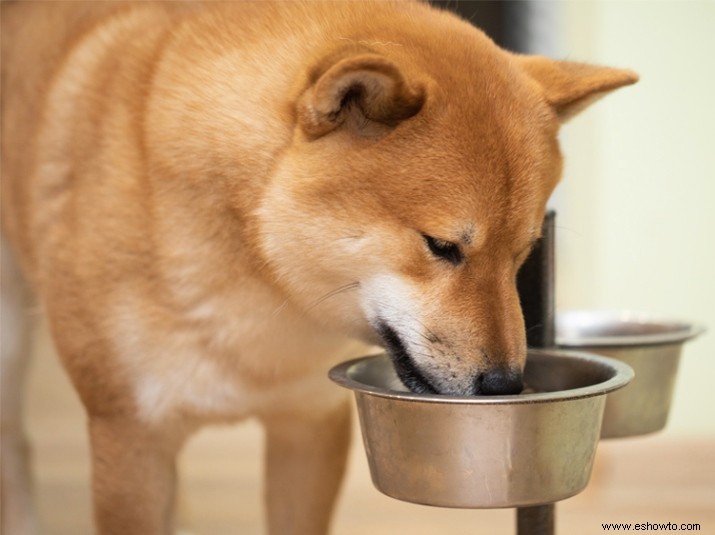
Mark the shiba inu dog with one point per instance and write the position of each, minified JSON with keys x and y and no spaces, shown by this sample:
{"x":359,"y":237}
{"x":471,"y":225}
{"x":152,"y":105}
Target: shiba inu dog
{"x":215,"y":202}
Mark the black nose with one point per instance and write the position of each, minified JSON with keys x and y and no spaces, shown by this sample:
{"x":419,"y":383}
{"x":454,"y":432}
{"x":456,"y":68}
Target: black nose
{"x":499,"y":382}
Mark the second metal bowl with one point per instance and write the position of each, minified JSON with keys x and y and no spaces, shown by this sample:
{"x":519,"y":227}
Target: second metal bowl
{"x":651,"y":346}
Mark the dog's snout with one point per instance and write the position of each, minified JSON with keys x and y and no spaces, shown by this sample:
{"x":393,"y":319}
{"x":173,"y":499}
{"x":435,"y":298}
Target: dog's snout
{"x":499,"y":382}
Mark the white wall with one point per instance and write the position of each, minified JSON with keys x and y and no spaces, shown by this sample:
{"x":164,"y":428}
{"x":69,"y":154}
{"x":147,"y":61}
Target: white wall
{"x":637,"y":205}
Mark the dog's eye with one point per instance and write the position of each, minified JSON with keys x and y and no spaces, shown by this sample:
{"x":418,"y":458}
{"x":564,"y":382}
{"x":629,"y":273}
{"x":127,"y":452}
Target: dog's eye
{"x":444,"y":250}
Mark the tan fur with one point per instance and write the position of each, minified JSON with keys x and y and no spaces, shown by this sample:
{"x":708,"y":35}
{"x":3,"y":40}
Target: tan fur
{"x":213,"y":201}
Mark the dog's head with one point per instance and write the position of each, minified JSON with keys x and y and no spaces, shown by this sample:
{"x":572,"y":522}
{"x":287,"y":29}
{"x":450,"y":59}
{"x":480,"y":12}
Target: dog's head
{"x":414,"y":190}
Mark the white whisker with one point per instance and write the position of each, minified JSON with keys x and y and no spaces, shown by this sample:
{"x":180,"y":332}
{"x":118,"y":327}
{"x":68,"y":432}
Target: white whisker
{"x":333,"y":293}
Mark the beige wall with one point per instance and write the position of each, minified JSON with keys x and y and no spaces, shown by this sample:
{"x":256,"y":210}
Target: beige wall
{"x":636,"y":209}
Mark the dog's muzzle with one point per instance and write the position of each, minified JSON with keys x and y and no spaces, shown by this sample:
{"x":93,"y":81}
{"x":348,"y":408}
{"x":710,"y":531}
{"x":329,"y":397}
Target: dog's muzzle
{"x":495,"y":382}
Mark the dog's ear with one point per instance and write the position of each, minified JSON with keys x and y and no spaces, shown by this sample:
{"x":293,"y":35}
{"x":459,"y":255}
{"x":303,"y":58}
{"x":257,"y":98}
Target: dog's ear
{"x":364,"y":91}
{"x":570,"y":87}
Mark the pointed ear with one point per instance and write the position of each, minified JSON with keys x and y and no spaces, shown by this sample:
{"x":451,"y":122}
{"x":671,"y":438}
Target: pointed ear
{"x":363,"y":91}
{"x":570,"y":87}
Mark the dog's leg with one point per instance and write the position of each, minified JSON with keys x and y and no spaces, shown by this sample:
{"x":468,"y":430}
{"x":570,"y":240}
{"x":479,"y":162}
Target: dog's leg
{"x":133,"y":476}
{"x":17,"y":325}
{"x":305,"y":462}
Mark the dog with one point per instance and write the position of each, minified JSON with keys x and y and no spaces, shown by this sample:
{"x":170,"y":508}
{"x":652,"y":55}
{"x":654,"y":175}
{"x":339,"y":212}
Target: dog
{"x":215,"y":202}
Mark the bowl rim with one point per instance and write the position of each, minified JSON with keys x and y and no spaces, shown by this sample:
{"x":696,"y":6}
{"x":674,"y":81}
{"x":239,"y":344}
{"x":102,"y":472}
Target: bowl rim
{"x":682,"y":330}
{"x":622,"y":375}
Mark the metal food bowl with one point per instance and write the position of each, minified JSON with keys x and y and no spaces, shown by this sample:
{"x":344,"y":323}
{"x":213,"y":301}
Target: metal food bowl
{"x":649,"y":345}
{"x":484,"y":452}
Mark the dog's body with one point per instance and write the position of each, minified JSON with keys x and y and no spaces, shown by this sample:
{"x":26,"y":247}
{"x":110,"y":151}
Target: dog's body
{"x":212,"y":202}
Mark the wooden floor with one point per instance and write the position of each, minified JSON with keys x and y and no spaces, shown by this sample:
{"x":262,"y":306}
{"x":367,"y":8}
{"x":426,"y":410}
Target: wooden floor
{"x":654,"y":479}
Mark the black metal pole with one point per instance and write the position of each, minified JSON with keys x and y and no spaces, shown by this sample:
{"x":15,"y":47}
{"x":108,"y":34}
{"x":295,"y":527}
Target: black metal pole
{"x":535,"y":283}
{"x":536,"y":520}
{"x":536,"y":292}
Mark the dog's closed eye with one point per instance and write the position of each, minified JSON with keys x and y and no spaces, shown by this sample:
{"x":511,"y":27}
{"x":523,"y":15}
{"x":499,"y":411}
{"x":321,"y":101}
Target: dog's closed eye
{"x":444,"y":250}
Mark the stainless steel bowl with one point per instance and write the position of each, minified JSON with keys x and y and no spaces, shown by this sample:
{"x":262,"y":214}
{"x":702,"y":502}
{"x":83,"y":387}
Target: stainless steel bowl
{"x":483,"y":452}
{"x":651,"y":346}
